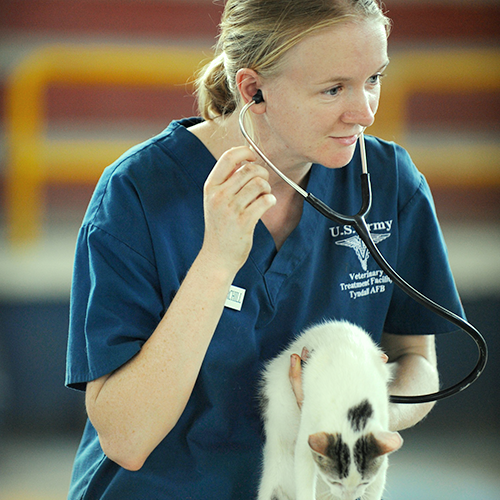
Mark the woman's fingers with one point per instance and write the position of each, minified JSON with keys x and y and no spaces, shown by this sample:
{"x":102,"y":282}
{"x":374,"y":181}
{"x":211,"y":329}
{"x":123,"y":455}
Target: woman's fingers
{"x":236,"y":195}
{"x":228,"y":163}
{"x":250,"y":187}
{"x":237,"y":179}
{"x":244,"y":195}
{"x":295,"y":374}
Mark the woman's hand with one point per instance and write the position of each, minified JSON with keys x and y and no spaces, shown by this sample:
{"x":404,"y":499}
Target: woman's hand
{"x":236,"y":195}
{"x":295,"y":374}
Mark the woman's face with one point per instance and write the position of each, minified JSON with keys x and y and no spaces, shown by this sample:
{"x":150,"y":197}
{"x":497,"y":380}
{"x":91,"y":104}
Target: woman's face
{"x":326,"y":94}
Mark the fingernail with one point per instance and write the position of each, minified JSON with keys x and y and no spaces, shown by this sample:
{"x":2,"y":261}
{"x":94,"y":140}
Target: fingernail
{"x":293,"y":361}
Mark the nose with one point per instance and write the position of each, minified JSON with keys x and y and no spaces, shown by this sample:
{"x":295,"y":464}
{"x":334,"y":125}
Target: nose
{"x":361,"y":109}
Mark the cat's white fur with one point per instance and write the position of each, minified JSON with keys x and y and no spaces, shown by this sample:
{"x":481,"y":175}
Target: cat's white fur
{"x":344,"y":368}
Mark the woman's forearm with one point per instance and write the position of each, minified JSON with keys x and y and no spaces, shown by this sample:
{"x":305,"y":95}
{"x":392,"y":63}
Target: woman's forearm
{"x":414,"y":361}
{"x":414,"y":375}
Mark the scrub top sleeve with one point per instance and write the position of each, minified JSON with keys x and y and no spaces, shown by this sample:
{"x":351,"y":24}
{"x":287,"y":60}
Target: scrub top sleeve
{"x":116,"y":304}
{"x":423,"y":262}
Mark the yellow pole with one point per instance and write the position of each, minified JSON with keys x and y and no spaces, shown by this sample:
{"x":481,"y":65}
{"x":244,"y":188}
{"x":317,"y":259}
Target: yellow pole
{"x":115,"y":65}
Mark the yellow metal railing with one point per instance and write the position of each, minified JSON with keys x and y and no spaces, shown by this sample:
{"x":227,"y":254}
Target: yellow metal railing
{"x":441,"y":71}
{"x":34,"y":160}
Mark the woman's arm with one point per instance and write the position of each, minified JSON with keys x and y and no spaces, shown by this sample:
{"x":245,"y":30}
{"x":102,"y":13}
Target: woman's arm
{"x":415,"y":373}
{"x":136,"y":406}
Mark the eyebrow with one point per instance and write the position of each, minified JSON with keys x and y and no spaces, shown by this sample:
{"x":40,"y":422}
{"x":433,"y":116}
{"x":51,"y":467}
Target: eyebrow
{"x":346,"y":79}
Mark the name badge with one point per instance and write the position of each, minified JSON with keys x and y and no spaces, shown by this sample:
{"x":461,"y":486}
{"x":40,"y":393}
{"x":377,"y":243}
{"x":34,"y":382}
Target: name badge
{"x":234,"y":299}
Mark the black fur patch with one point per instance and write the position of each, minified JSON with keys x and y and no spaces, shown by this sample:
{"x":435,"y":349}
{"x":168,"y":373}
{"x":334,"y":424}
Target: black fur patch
{"x":338,"y":452}
{"x":359,"y":415}
{"x":366,"y":450}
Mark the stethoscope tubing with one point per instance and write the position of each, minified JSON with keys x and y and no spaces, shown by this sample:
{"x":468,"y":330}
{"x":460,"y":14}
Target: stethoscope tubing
{"x":359,"y":224}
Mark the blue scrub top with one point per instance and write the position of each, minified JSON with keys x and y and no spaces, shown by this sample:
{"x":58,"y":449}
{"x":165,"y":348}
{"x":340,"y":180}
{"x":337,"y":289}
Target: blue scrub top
{"x":142,"y":231}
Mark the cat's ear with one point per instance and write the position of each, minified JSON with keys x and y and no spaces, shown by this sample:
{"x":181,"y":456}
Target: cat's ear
{"x":319,"y":442}
{"x":388,"y":442}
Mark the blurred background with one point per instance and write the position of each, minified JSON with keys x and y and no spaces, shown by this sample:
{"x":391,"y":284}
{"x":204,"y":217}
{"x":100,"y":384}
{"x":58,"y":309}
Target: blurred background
{"x":82,"y":80}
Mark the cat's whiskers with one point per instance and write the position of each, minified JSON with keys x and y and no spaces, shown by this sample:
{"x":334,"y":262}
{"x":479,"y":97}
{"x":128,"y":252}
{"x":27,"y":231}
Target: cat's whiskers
{"x":324,"y":495}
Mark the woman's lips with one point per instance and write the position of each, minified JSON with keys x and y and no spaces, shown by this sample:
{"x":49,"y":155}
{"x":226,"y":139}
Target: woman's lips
{"x":348,"y":140}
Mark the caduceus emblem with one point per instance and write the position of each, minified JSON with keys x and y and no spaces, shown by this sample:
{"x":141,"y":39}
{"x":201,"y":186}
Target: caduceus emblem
{"x":359,"y":247}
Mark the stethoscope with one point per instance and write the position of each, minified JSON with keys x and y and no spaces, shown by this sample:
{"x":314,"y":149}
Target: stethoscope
{"x":358,"y":222}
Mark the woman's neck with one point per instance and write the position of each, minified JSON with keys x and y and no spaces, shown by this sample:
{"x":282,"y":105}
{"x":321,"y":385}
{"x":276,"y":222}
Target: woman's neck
{"x":221,"y":134}
{"x":218,"y":135}
{"x":285,"y":216}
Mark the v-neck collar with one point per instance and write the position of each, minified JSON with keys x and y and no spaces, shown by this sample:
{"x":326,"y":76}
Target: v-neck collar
{"x":277,"y":266}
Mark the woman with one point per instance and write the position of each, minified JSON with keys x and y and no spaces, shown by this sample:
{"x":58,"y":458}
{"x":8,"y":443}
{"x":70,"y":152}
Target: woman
{"x":169,"y":360}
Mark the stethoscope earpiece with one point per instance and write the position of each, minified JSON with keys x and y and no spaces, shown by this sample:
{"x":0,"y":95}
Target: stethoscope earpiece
{"x":258,"y":97}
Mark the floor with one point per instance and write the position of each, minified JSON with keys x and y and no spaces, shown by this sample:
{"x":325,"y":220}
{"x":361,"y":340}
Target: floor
{"x":436,"y":467}
{"x":36,"y":468}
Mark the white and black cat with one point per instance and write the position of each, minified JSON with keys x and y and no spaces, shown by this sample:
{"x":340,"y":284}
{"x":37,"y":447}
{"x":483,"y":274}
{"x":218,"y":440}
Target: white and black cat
{"x":336,"y":445}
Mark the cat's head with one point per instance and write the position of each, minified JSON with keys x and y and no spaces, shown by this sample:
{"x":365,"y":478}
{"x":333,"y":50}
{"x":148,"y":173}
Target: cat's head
{"x":349,"y":470}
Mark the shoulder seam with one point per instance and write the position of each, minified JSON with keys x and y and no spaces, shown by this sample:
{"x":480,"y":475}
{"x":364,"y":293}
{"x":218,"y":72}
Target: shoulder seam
{"x":412,"y":197}
{"x":91,"y":224}
{"x":179,"y":163}
{"x":115,"y":165}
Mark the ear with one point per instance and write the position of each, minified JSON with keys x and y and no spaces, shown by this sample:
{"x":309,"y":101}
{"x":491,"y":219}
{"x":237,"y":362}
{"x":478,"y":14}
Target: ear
{"x":248,"y":82}
{"x":319,"y":442}
{"x":388,"y":442}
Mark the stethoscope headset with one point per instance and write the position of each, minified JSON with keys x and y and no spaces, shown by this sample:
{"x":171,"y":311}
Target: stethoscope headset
{"x":358,"y":222}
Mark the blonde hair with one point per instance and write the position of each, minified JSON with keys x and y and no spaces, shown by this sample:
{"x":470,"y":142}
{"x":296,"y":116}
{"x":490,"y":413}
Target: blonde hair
{"x":255,"y":34}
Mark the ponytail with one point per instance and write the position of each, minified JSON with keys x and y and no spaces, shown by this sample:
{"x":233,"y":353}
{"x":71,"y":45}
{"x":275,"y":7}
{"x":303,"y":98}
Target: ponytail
{"x":213,"y":92}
